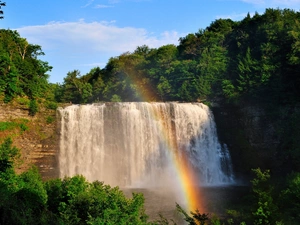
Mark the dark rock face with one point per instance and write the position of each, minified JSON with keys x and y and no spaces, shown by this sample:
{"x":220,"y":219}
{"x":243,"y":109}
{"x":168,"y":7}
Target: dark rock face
{"x":260,"y":135}
{"x":251,"y":134}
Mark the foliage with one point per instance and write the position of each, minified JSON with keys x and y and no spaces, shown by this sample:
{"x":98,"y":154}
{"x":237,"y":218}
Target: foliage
{"x":290,"y":198}
{"x":26,"y":199}
{"x":265,"y":211}
{"x":10,"y":125}
{"x":7,"y":125}
{"x":23,"y":127}
{"x":77,"y":202}
{"x":33,"y":107}
{"x":50,"y":119}
{"x":195,"y":219}
{"x":8,"y":154}
{"x":23,"y":101}
{"x":51,"y":105}
{"x":74,"y":90}
{"x":21,"y":72}
{"x":116,"y":98}
{"x":234,"y":61}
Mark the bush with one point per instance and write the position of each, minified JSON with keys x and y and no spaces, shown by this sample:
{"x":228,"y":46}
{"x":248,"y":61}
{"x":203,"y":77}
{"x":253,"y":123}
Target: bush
{"x":10,"y":125}
{"x":51,"y":105}
{"x":265,"y":211}
{"x":116,"y":98}
{"x":291,"y":198}
{"x":77,"y":201}
{"x":26,"y":199}
{"x":23,"y":101}
{"x":23,"y":127}
{"x":49,"y":119}
{"x":8,"y":154}
{"x":33,"y":107}
{"x":7,"y":125}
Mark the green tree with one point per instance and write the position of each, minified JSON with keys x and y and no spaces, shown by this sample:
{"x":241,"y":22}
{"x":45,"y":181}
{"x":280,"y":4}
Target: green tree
{"x":30,"y":198}
{"x":78,"y":202}
{"x":8,"y":155}
{"x":70,"y":87}
{"x":249,"y":76}
{"x":189,"y":46}
{"x":23,"y":198}
{"x":33,"y":107}
{"x":163,"y":87}
{"x":294,"y":55}
{"x":116,"y":98}
{"x":21,"y":72}
{"x":290,"y":198}
{"x":265,"y":211}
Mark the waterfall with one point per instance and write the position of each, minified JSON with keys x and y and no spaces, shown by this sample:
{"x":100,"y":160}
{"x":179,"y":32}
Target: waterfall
{"x":136,"y":143}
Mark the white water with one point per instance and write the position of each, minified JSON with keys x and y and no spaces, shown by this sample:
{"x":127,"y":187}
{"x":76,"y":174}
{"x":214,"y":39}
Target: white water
{"x":133,"y":144}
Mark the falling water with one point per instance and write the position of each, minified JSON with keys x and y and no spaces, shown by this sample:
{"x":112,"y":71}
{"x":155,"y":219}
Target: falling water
{"x":134,"y":144}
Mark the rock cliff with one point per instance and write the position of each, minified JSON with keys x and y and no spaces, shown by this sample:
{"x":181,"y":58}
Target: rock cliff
{"x":262,"y":136}
{"x":38,"y":141}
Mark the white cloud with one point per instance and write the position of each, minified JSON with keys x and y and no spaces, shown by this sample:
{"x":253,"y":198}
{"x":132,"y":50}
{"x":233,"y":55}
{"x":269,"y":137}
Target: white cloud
{"x":78,"y":45}
{"x":94,"y":36}
{"x":103,"y":6}
{"x":87,"y":4}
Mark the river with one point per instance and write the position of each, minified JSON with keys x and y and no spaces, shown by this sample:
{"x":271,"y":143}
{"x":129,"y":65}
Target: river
{"x":216,"y":201}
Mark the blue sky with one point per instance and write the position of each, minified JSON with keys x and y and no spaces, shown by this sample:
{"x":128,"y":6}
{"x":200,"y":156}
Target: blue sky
{"x":83,"y":34}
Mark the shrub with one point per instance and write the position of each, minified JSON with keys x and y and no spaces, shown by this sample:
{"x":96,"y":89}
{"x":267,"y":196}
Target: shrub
{"x":23,"y":101}
{"x":8,"y":154}
{"x":10,"y":125}
{"x":33,"y":107}
{"x":116,"y":98}
{"x":49,"y":119}
{"x":7,"y":125}
{"x":77,"y":201}
{"x":291,"y":198}
{"x":265,"y":211}
{"x":51,"y":105}
{"x":23,"y":127}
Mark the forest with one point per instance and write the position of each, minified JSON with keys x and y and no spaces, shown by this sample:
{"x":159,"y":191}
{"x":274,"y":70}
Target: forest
{"x":255,"y":61}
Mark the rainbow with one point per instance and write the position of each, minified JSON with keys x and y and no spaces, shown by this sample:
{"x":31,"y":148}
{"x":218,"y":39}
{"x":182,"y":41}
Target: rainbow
{"x":187,"y":179}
